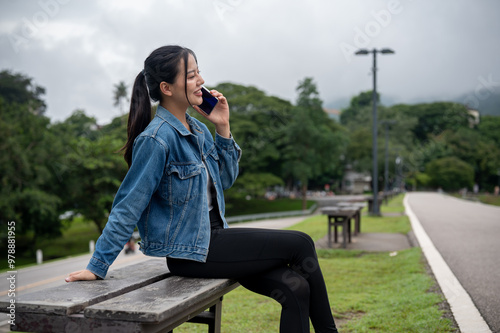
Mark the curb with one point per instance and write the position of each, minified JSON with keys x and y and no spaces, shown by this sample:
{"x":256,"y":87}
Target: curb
{"x":465,"y":312}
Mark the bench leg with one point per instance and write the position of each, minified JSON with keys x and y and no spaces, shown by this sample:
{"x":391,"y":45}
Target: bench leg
{"x":345,"y":227}
{"x":212,"y":317}
{"x":215,"y":326}
{"x":349,"y":220}
{"x":329,"y":231}
{"x":335,"y":233}
{"x":357,"y":223}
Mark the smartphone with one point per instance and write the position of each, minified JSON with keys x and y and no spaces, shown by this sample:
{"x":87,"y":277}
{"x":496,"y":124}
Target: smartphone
{"x":209,"y":101}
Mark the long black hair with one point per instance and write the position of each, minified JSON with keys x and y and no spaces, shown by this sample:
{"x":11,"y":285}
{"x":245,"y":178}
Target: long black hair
{"x":161,"y":65}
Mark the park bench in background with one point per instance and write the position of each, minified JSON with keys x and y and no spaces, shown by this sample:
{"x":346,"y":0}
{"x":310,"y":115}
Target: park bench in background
{"x":142,"y":297}
{"x":369,"y":200}
{"x":358,"y":206}
{"x":382,"y":197}
{"x":341,"y":216}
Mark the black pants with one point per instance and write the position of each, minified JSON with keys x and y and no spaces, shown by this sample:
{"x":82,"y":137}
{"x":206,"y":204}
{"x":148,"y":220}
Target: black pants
{"x":276,"y":263}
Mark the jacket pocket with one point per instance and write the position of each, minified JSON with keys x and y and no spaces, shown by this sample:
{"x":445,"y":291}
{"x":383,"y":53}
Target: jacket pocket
{"x":182,"y":183}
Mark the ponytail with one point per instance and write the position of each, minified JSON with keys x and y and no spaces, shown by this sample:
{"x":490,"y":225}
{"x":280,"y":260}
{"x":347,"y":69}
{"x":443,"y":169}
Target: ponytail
{"x":161,"y":65}
{"x":139,"y":116}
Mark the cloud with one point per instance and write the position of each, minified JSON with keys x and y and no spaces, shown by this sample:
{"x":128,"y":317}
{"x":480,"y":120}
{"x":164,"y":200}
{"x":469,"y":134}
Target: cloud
{"x":80,"y":50}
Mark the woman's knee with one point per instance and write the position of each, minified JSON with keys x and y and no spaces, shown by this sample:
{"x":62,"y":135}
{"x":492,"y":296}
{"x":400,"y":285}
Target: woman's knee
{"x":303,"y":239}
{"x":292,"y":289}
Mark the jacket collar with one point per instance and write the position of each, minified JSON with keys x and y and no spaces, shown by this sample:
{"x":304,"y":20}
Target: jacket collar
{"x":175,"y":123}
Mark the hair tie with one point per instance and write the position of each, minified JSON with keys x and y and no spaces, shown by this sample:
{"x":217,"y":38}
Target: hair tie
{"x":148,"y":70}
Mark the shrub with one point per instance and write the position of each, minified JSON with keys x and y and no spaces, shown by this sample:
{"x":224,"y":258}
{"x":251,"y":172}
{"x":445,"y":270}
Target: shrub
{"x":450,"y":173}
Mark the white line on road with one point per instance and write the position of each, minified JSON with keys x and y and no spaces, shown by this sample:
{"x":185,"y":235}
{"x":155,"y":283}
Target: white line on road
{"x":465,"y":312}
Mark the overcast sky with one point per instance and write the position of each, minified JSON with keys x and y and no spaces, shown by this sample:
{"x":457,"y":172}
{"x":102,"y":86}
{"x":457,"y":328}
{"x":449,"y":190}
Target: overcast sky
{"x":78,"y":50}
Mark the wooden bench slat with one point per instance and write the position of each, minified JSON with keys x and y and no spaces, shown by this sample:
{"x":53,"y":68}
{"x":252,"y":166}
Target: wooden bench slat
{"x":75,"y":296}
{"x":167,"y":299}
{"x":340,"y":210}
{"x":43,"y":323}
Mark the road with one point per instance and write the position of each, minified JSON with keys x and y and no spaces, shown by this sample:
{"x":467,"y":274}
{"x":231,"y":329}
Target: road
{"x":467,"y":235}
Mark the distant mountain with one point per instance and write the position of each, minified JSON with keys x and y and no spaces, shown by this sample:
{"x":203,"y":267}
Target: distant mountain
{"x":489,"y":104}
{"x":338,"y":104}
{"x":486,"y":102}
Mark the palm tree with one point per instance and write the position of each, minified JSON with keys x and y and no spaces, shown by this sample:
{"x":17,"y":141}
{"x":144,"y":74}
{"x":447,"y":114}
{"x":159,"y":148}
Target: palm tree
{"x":121,"y":96}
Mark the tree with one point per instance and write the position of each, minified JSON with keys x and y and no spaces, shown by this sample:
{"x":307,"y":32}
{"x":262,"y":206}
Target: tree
{"x":99,"y":171}
{"x":26,"y":196}
{"x":90,"y":170}
{"x":315,"y":141}
{"x":450,"y":173}
{"x":435,"y":118}
{"x":20,"y":89}
{"x":489,"y":127}
{"x":358,"y":153}
{"x":359,"y":109}
{"x":480,"y":152}
{"x":121,"y":96}
{"x":254,"y":185}
{"x":77,"y":125}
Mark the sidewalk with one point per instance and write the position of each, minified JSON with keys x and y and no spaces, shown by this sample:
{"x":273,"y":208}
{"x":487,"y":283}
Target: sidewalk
{"x":372,"y":242}
{"x":280,"y":223}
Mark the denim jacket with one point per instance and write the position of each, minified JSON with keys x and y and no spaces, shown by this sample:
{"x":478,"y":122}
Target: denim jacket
{"x":165,"y":192}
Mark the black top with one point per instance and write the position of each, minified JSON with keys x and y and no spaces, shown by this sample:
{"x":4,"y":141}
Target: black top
{"x":215,"y":219}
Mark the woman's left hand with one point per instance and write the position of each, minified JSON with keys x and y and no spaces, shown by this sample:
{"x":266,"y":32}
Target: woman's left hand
{"x":219,"y":115}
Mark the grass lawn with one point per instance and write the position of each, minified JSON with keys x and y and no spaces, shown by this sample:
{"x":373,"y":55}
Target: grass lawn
{"x":369,"y":292}
{"x":489,"y":199}
{"x":74,"y":241}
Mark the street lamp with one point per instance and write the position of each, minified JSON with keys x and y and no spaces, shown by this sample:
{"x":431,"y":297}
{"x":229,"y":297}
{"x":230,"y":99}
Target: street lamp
{"x":398,"y":163}
{"x":375,"y":207}
{"x":386,"y":170}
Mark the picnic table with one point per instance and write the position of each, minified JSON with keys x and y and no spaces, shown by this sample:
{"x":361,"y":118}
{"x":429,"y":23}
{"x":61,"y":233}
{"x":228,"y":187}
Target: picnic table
{"x":371,"y":203}
{"x":358,"y":206}
{"x":143,"y":297}
{"x":341,"y":215}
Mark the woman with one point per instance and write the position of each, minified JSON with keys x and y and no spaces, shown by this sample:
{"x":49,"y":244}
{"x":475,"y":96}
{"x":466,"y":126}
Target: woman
{"x":173,"y":192}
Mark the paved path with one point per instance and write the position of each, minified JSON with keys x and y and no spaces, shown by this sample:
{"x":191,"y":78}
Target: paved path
{"x":467,"y":236}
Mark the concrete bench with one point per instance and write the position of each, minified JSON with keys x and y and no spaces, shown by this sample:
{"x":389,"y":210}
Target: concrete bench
{"x":358,"y":206}
{"x":142,"y":297}
{"x":341,"y":216}
{"x":380,"y":198}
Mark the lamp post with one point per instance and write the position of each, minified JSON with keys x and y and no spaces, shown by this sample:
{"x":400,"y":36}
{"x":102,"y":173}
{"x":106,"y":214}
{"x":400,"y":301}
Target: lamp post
{"x":386,"y":170}
{"x":398,"y":179}
{"x":399,"y":173}
{"x":375,"y":206}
